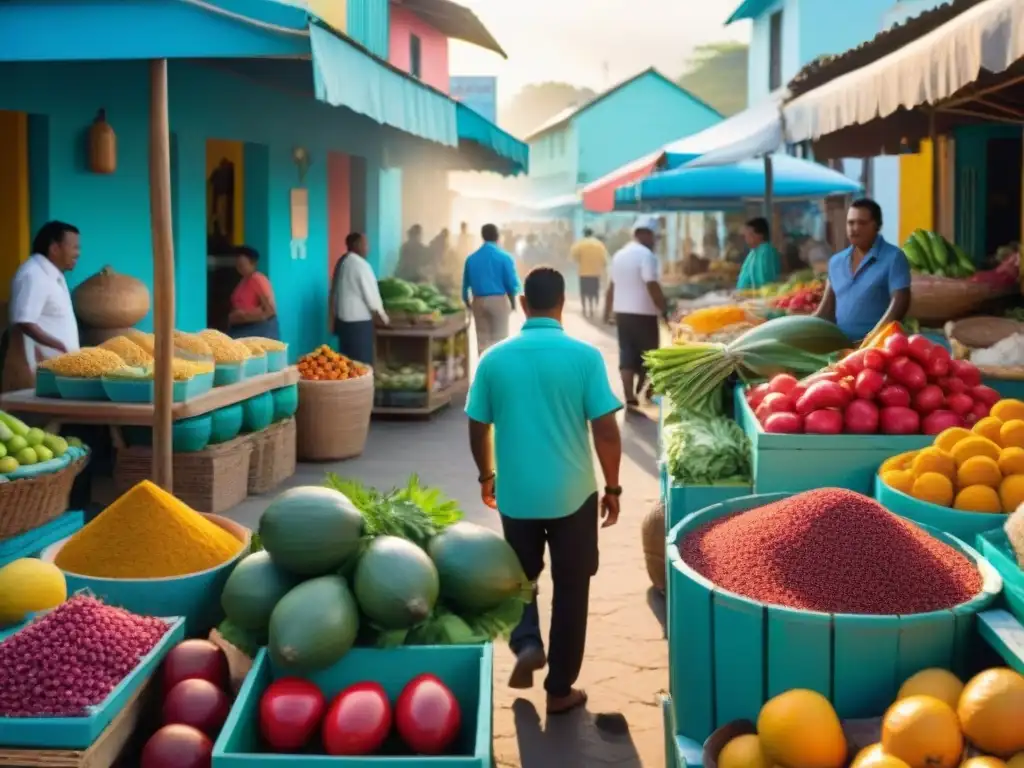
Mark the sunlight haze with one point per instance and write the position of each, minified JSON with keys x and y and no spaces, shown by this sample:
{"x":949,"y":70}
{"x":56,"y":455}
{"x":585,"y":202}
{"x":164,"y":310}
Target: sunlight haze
{"x":572,"y":40}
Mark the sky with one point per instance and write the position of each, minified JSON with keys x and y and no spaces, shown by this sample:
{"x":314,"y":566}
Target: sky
{"x":593,"y":43}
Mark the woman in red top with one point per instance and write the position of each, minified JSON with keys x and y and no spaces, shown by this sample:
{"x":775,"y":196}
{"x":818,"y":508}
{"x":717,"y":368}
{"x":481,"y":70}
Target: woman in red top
{"x":253,"y":311}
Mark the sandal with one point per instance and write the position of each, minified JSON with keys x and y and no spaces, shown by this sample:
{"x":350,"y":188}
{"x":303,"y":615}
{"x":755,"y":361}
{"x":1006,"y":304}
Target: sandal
{"x":565,"y":704}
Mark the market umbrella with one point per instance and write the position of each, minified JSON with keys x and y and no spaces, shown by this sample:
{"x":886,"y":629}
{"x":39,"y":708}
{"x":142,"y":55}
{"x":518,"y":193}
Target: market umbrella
{"x":723,"y":187}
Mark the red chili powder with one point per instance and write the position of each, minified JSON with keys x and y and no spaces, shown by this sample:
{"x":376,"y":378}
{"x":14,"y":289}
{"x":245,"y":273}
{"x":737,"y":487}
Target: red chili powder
{"x":834,"y":551}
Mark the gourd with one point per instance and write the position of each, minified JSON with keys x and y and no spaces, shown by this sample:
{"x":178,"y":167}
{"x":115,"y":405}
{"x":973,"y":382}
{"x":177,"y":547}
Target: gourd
{"x":110,"y":299}
{"x":102,"y":145}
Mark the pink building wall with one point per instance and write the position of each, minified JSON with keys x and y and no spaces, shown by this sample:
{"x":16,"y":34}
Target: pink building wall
{"x":433,"y":47}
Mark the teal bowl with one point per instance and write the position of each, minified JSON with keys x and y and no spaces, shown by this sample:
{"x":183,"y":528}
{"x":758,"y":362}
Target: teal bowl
{"x":191,"y":435}
{"x":255,"y":366}
{"x":194,"y":596}
{"x":277,"y":360}
{"x":46,"y":383}
{"x":198,"y":385}
{"x":286,"y":401}
{"x":225,"y":423}
{"x":963,"y":525}
{"x":226,"y":374}
{"x":80,"y":389}
{"x":257,"y":412}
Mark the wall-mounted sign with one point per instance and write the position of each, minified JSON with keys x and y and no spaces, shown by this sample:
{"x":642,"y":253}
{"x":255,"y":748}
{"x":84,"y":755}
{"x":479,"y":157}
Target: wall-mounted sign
{"x":478,"y":92}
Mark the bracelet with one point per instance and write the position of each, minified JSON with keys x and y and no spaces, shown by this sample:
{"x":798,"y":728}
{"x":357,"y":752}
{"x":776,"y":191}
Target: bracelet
{"x":613,"y":490}
{"x":486,"y":478}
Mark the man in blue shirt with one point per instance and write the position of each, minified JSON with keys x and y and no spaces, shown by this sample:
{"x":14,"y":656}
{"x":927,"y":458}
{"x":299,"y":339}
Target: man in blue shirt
{"x":869,"y":282}
{"x":490,"y":276}
{"x":533,"y":404}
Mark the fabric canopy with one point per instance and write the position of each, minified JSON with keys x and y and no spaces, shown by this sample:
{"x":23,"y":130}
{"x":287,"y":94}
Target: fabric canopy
{"x":732,"y":186}
{"x":989,"y":36}
{"x":599,"y":196}
{"x":753,"y":132}
{"x":474,"y":127}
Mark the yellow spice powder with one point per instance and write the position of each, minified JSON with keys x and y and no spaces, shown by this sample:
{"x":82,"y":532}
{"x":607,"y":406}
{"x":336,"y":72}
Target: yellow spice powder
{"x":147,"y":534}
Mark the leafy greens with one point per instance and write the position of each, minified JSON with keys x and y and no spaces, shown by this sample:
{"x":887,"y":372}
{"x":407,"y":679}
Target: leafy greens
{"x":706,"y":450}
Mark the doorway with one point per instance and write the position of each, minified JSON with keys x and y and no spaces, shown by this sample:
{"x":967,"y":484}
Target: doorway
{"x":225,"y":225}
{"x":1004,"y":158}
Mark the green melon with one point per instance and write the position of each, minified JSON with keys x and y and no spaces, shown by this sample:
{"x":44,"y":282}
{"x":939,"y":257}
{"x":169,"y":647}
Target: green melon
{"x":253,"y":589}
{"x":313,"y":626}
{"x":395,"y":583}
{"x":478,"y":569}
{"x":311,"y":530}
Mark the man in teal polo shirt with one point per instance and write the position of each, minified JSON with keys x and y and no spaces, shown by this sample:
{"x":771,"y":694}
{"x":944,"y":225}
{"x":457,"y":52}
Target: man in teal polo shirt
{"x":869,"y":282}
{"x":531,"y":403}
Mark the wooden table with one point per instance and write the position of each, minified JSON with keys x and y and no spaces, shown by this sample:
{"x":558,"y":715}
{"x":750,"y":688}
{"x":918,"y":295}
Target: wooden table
{"x":115,"y":415}
{"x":422,"y":338}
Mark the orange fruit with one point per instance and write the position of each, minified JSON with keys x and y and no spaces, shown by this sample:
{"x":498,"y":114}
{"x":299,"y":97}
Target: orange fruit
{"x":875,"y":757}
{"x":923,"y":732}
{"x":800,"y":729}
{"x":940,"y":683}
{"x":991,"y":711}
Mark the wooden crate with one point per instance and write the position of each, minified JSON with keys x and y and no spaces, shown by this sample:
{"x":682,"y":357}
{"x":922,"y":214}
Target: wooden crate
{"x":212,"y":480}
{"x":273,"y":456}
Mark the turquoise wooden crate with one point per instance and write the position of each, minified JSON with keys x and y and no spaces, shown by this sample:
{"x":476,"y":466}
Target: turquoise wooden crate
{"x":79,"y":389}
{"x":225,"y":374}
{"x":80,"y":732}
{"x":467,"y":670}
{"x":683,"y":500}
{"x":31,"y":543}
{"x":964,"y":525}
{"x":995,"y":547}
{"x":729,"y":654}
{"x":791,"y":463}
{"x":680,"y":752}
{"x":277,"y":359}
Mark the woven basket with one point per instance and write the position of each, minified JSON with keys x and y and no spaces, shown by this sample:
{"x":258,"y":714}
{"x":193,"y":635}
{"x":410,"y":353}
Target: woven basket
{"x":1004,"y":372}
{"x":653,"y":534}
{"x":273,"y":456}
{"x":213,"y":480}
{"x":936,"y":300}
{"x":34,"y":501}
{"x":333,"y":419}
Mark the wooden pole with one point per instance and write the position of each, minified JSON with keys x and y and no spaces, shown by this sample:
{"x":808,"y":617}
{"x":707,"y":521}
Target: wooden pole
{"x":163,"y":272}
{"x":933,"y":137}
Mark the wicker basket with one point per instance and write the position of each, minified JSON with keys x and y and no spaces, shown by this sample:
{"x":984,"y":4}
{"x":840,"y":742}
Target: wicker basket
{"x":653,"y":534}
{"x":333,"y":419}
{"x":273,"y":456}
{"x":1004,"y":372}
{"x":213,"y":480}
{"x":936,"y":300}
{"x":34,"y":501}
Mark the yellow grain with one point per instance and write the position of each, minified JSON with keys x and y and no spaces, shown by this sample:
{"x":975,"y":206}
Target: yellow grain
{"x":128,"y":351}
{"x":87,"y":363}
{"x":225,"y":349}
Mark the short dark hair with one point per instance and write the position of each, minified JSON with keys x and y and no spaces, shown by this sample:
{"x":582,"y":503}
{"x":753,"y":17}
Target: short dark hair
{"x":544,"y":289}
{"x":352,"y":240}
{"x":51,"y":233}
{"x":489,"y":232}
{"x":760,"y":226}
{"x":588,"y":232}
{"x":867,"y":204}
{"x":249,"y":252}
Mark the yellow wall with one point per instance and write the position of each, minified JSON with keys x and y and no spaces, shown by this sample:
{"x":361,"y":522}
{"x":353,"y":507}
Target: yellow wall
{"x":14,"y":215}
{"x":334,"y":12}
{"x":916,"y":189}
{"x":233,"y":151}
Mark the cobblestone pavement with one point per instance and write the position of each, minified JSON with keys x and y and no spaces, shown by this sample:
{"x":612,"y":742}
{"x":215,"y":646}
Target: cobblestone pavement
{"x":627,"y":657}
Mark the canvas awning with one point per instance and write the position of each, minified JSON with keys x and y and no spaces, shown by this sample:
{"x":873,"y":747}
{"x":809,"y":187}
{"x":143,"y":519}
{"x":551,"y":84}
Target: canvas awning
{"x":988,"y":37}
{"x":599,"y":196}
{"x":753,"y":132}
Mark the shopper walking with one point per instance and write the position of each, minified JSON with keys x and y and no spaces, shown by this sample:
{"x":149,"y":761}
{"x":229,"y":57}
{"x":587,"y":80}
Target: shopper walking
{"x":636,"y":299}
{"x":355,"y":299}
{"x":591,"y":259}
{"x":529,"y":407}
{"x":489,"y":287}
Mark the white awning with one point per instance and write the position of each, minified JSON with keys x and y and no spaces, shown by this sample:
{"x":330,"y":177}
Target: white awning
{"x":753,"y":132}
{"x":989,"y":36}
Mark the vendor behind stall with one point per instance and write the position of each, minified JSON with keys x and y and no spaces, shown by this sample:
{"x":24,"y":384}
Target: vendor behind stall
{"x":42,"y":318}
{"x":869,"y":282}
{"x":253,"y":309}
{"x":763,"y":263}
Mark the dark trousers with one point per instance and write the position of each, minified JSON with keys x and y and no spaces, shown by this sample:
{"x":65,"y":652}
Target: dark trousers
{"x":355,"y":340}
{"x":572,"y":541}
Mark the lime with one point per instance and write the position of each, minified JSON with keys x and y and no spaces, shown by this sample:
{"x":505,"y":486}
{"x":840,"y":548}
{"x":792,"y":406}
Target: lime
{"x":35,"y":437}
{"x":15,"y":444}
{"x":43,"y":453}
{"x":26,"y":456}
{"x":57,"y":444}
{"x":8,"y":464}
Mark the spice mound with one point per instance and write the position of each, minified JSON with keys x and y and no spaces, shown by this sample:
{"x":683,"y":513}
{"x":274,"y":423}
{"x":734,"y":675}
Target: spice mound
{"x":833,"y":551}
{"x":72,"y":658}
{"x":147,"y":534}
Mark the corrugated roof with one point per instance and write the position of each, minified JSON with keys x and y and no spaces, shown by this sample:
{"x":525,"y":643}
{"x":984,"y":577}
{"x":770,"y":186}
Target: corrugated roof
{"x":563,"y":118}
{"x":454,"y":21}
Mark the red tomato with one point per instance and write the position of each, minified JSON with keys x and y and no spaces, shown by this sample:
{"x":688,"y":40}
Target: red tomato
{"x":358,"y":720}
{"x":291,"y":710}
{"x":427,"y":716}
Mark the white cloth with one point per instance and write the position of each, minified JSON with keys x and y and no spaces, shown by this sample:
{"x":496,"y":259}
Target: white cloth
{"x":633,"y":267}
{"x":40,"y":295}
{"x":358,"y":296}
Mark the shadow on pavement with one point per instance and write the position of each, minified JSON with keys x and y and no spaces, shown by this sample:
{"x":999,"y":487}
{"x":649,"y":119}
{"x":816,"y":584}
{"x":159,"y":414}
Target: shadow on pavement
{"x":640,"y":441}
{"x":656,"y":602}
{"x":576,"y":740}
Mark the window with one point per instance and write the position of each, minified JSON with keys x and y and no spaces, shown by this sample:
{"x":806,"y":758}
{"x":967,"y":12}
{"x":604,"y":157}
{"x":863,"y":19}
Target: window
{"x":775,"y":51}
{"x":415,"y":57}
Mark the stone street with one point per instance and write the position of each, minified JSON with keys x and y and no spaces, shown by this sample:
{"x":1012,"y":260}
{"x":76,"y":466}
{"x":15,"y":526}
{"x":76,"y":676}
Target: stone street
{"x":627,"y":657}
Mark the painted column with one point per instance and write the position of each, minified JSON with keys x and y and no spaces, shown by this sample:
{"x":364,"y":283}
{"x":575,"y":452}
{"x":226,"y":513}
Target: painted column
{"x":188,"y":217}
{"x":383,"y":216}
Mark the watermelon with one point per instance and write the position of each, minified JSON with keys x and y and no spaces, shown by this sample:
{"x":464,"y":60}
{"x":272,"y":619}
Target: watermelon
{"x":311,"y":530}
{"x":479,"y":570}
{"x":253,"y":589}
{"x":395,"y":583}
{"x":313,"y":626}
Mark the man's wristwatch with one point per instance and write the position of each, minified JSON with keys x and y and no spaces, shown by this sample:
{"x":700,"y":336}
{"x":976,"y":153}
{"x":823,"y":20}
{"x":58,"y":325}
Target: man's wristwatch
{"x":487,"y":477}
{"x":613,"y":490}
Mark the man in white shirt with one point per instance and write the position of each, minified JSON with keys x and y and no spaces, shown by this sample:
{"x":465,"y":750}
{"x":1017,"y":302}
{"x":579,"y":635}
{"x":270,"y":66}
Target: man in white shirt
{"x":355,"y":299}
{"x":634,"y":295}
{"x":42,"y":318}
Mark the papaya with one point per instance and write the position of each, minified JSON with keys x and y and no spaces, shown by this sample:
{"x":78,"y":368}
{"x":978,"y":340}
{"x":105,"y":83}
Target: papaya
{"x":313,"y":626}
{"x":311,"y":530}
{"x":253,"y":589}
